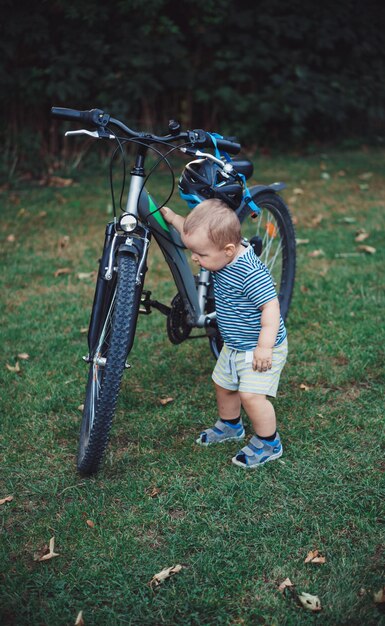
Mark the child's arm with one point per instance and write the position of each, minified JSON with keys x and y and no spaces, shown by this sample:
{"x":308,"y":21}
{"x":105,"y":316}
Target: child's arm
{"x":263,"y":353}
{"x":173,"y":218}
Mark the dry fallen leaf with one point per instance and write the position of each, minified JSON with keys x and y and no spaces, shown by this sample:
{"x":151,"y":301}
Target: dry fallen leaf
{"x":11,"y":238}
{"x":79,"y":620}
{"x":166,"y":400}
{"x":304,"y":387}
{"x":379,"y":596}
{"x":284,"y":584}
{"x":62,"y":270}
{"x":51,"y":554}
{"x":164,"y":574}
{"x":90,"y":523}
{"x":86,"y":275}
{"x":16,"y":368}
{"x":365,"y":176}
{"x":311,"y":555}
{"x":347,"y":219}
{"x":155,"y":491}
{"x":23,"y":356}
{"x":63,"y":243}
{"x":361,"y":236}
{"x":316,"y":253}
{"x":316,"y":221}
{"x":6,"y":499}
{"x":368,"y":249}
{"x":300,"y":242}
{"x":309,"y":602}
{"x":298,"y":191}
{"x":58,"y":181}
{"x":314,"y":557}
{"x":81,"y":407}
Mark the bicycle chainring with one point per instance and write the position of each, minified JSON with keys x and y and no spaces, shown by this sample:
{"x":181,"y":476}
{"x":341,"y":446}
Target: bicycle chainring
{"x":178,"y":328}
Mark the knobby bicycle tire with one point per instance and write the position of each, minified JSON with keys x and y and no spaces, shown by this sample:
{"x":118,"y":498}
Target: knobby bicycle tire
{"x":106,"y":370}
{"x":274,"y":235}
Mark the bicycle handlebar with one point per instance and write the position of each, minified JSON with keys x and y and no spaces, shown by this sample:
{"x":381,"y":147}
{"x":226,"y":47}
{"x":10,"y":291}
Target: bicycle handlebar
{"x":96,"y":117}
{"x":100,"y":119}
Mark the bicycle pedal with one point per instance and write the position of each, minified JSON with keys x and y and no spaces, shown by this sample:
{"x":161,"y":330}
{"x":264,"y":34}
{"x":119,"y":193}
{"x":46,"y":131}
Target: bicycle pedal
{"x":145,"y":303}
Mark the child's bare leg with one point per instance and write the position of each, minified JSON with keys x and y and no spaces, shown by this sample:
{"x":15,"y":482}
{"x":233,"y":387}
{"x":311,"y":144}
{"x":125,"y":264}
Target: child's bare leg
{"x":265,"y":445}
{"x":260,"y":412}
{"x":229,"y":425}
{"x":229,"y":403}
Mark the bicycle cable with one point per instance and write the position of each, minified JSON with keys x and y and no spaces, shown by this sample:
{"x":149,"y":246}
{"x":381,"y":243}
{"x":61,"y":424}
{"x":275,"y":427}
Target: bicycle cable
{"x":119,"y":147}
{"x":162,"y":157}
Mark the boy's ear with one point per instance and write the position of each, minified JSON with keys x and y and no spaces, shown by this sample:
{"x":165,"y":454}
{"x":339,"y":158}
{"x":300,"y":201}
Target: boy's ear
{"x":230,"y":249}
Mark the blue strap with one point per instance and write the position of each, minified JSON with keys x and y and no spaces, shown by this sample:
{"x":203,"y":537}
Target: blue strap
{"x":247,"y":196}
{"x":246,"y":193}
{"x":218,"y":153}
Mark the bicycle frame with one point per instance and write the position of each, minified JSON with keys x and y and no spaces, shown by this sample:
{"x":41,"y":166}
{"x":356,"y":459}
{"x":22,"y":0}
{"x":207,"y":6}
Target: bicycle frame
{"x":173,"y":251}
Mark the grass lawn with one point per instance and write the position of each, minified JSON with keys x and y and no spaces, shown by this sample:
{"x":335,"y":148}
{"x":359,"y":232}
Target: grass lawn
{"x":159,"y":500}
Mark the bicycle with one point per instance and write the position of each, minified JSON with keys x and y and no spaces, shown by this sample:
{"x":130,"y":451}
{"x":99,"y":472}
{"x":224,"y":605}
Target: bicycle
{"x":119,"y":294}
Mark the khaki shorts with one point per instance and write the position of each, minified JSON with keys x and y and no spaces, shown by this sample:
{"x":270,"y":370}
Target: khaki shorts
{"x":234,"y":371}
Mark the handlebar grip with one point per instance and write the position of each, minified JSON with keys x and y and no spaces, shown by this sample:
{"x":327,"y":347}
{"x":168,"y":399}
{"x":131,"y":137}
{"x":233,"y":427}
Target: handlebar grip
{"x":232,"y":147}
{"x":202,"y":138}
{"x":95,"y":117}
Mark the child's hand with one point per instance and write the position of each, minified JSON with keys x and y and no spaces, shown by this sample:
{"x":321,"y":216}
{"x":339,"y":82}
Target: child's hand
{"x":173,"y":218}
{"x":168,"y":214}
{"x":262,"y":359}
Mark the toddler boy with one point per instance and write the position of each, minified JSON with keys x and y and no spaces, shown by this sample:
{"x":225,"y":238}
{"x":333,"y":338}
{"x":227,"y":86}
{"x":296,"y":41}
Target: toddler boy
{"x":255,"y":349}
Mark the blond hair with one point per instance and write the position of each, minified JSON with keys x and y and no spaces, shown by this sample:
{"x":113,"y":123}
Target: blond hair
{"x":217,"y":219}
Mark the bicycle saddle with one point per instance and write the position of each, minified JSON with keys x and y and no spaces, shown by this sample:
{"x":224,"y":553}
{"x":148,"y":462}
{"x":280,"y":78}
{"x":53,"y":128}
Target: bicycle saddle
{"x":243,"y":166}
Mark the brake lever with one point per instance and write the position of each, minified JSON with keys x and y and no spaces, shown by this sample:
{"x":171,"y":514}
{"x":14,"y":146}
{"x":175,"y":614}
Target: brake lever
{"x":96,"y":134}
{"x":226,"y":166}
{"x":199,"y":153}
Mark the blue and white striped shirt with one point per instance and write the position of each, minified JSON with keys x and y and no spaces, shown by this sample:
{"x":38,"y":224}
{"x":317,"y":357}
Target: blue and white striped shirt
{"x":241,"y":288}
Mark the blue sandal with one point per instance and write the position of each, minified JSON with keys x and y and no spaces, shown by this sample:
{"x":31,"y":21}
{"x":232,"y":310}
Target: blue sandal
{"x":221,"y":432}
{"x":257,"y":452}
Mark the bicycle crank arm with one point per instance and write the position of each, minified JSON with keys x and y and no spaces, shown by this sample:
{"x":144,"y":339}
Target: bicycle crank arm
{"x":147,"y":304}
{"x":146,"y":310}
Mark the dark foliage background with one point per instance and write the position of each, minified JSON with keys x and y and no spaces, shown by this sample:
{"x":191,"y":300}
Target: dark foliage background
{"x":273,"y":72}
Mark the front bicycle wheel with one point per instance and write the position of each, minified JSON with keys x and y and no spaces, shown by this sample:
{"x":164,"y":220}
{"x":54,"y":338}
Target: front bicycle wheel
{"x":113,"y":344}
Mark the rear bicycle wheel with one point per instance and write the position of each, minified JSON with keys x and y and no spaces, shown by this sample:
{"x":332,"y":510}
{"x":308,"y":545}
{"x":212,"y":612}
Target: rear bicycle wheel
{"x":272,"y":236}
{"x":113,"y":344}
